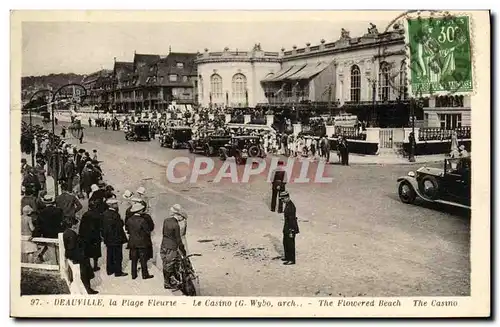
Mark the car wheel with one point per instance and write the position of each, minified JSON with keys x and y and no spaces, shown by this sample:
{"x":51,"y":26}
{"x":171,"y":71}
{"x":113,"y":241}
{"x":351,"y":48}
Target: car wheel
{"x":406,"y":192}
{"x":429,"y":187}
{"x":222,"y":155}
{"x":253,"y":151}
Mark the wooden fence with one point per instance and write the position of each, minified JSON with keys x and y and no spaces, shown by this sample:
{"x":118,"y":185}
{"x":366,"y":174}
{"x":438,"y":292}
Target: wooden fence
{"x":69,"y":271}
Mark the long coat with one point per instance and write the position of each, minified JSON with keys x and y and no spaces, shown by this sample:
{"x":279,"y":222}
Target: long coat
{"x":74,"y":252}
{"x":139,"y":230}
{"x":290,"y":224}
{"x":90,"y":233}
{"x":112,"y":229}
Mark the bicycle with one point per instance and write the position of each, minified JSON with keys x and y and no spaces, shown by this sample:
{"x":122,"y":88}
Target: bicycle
{"x":186,"y":276}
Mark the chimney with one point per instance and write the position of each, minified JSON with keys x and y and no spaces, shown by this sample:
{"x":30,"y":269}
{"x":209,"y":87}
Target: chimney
{"x":169,"y":49}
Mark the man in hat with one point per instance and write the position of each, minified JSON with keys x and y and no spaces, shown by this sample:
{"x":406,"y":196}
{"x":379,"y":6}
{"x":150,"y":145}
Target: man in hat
{"x":114,"y":237}
{"x":69,"y":204}
{"x":69,"y":173}
{"x":87,"y":178}
{"x":90,"y":233}
{"x":278,"y":183}
{"x":75,"y":252}
{"x":50,"y":221}
{"x":139,"y":243}
{"x":290,"y":229}
{"x":171,"y":245}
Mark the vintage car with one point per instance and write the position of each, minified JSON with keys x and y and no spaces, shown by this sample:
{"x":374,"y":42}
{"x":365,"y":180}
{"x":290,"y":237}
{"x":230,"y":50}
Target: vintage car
{"x":208,"y":145}
{"x":176,"y":137}
{"x":137,"y":131}
{"x":242,"y":147}
{"x":448,"y":185}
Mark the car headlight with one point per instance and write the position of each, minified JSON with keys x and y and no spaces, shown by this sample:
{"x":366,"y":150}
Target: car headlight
{"x":411,"y":174}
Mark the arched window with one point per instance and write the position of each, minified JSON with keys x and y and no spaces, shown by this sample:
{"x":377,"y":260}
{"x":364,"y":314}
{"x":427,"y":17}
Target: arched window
{"x":216,"y":87}
{"x":355,"y":84}
{"x":239,"y":86}
{"x":383,"y":81}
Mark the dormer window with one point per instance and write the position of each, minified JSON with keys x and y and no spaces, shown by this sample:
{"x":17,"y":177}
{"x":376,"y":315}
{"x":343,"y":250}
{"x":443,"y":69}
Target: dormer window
{"x":180,"y":65}
{"x":172,"y":78}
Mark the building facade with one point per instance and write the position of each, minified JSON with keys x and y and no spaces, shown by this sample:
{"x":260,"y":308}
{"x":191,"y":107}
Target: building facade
{"x":232,"y":78}
{"x":149,"y":82}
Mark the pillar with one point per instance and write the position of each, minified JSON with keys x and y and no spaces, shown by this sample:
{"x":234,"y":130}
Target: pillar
{"x":247,"y":119}
{"x":269,"y":120}
{"x":227,"y":118}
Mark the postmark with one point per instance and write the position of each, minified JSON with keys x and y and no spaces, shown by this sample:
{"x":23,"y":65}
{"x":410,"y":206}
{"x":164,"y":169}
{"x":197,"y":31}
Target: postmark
{"x":438,"y":58}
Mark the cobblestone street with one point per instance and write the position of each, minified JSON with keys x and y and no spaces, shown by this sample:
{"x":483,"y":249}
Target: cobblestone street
{"x":356,"y":237}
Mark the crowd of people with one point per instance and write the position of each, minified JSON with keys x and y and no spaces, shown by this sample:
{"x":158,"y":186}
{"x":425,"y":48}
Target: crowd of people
{"x":87,"y":213}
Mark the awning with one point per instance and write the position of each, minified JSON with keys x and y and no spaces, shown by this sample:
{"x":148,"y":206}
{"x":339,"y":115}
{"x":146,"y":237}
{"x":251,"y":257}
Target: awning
{"x":309,"y":71}
{"x":283,"y":70}
{"x":291,"y":72}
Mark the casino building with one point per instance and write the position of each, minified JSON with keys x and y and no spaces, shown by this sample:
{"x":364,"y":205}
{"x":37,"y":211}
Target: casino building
{"x":233,"y":78}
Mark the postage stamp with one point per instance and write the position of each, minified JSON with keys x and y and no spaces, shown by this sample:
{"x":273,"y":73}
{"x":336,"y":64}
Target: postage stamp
{"x":440,"y":56}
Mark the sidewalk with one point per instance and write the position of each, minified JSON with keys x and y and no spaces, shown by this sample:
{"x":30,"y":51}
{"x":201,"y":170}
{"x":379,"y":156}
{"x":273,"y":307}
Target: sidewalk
{"x":111,"y":285}
{"x":359,"y":159}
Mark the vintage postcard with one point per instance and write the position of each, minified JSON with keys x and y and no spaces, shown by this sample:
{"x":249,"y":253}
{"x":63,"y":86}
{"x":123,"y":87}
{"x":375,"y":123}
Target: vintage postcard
{"x":250,"y":164}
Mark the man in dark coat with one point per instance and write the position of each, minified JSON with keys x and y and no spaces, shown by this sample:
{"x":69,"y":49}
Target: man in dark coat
{"x":139,"y":241}
{"x":90,"y":233}
{"x":171,"y":245}
{"x":278,"y":185}
{"x":88,"y":178}
{"x":69,"y":204}
{"x":50,"y":221}
{"x":114,"y":237}
{"x":69,"y":173}
{"x":290,"y":229}
{"x":75,"y":252}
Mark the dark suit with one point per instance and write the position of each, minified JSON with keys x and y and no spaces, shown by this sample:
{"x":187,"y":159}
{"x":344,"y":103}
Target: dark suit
{"x":278,"y":185}
{"x":75,"y":253}
{"x":290,"y":229}
{"x":139,"y":228}
{"x":114,"y":237}
{"x":90,"y":233}
{"x":50,"y":221}
{"x":69,"y":174}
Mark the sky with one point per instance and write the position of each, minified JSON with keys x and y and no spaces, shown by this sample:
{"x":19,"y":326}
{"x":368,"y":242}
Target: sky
{"x":86,"y":47}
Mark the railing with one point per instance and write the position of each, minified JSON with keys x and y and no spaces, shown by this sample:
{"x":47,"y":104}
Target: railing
{"x":69,"y":271}
{"x":434,"y":134}
{"x":351,"y":133}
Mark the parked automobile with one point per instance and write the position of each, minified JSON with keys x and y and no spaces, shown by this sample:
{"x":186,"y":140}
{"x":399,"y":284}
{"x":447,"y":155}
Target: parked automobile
{"x":208,"y":145}
{"x":176,"y":137}
{"x":448,"y":185}
{"x":137,"y":131}
{"x":241,"y":148}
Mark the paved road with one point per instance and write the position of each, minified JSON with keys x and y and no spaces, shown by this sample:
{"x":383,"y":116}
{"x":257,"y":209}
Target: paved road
{"x":357,"y":238}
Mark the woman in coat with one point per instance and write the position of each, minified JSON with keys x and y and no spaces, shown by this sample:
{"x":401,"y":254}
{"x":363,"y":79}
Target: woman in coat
{"x":177,"y":212}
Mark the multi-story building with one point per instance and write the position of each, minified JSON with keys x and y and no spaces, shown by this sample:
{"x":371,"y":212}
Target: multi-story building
{"x":232,"y":78}
{"x":150,"y":82}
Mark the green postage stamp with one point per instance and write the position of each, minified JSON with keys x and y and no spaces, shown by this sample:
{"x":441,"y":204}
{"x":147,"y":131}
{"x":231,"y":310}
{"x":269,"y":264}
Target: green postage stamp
{"x":440,"y":57}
